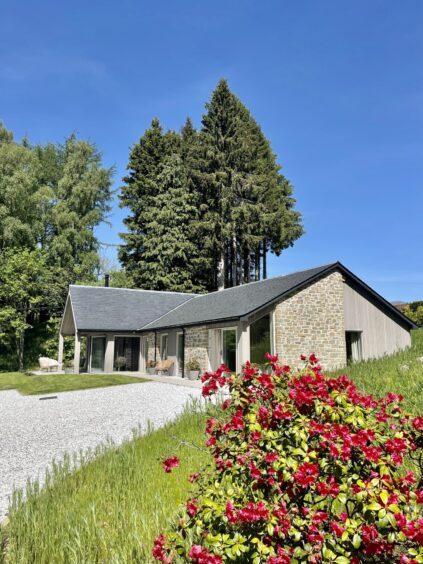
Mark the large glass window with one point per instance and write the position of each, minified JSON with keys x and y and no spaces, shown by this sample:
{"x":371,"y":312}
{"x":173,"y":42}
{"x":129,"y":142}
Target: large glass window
{"x":229,"y":348}
{"x":127,"y":350}
{"x":260,"y":339}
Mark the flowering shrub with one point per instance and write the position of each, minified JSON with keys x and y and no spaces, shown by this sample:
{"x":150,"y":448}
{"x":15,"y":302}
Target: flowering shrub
{"x":306,"y":469}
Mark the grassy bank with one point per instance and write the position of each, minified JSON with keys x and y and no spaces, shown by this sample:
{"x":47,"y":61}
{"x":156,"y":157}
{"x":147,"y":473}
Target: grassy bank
{"x":112,"y":507}
{"x":55,"y":383}
{"x":401,"y":373}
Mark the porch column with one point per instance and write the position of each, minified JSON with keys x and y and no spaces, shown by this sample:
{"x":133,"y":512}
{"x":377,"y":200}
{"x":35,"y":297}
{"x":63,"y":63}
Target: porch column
{"x":77,"y":353}
{"x":60,"y":355}
{"x":243,"y":345}
{"x":109,"y":354}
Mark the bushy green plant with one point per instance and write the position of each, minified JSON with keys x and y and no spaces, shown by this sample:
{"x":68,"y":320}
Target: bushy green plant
{"x":193,"y":364}
{"x":306,"y":469}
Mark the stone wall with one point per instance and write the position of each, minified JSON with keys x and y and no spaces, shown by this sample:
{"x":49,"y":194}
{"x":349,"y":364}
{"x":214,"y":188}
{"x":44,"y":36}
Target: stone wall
{"x":150,"y":340}
{"x":197,"y":346}
{"x":312,"y":320}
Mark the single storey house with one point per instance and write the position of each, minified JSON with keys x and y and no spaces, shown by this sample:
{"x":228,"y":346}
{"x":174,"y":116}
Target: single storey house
{"x":326,"y":310}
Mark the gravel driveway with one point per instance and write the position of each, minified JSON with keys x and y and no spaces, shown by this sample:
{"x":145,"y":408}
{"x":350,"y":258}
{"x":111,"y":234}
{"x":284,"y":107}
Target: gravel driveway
{"x":34,"y":431}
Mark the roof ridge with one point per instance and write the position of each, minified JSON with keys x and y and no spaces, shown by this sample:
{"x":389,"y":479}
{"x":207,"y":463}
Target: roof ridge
{"x":271,"y":278}
{"x":133,"y":290}
{"x":170,"y":311}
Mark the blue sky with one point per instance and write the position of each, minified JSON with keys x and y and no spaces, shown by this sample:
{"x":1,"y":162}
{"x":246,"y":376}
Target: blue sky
{"x":337,"y":86}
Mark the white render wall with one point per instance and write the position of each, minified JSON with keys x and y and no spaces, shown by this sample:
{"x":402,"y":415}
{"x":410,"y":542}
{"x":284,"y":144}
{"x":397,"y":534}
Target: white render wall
{"x":380,"y":334}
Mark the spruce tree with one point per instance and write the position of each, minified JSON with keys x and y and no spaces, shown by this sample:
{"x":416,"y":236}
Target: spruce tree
{"x":168,"y":245}
{"x":250,"y":203}
{"x":139,"y":192}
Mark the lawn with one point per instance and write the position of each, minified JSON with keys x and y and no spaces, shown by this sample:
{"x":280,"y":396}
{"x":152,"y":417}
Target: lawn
{"x":112,"y":507}
{"x":29,"y":385}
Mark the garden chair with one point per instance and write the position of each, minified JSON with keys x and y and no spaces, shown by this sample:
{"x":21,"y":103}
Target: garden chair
{"x":48,"y":363}
{"x":164,"y":367}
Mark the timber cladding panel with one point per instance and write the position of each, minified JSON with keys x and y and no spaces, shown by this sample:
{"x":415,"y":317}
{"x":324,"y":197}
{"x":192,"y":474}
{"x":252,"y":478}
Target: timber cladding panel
{"x":312,"y":320}
{"x":197,"y":346}
{"x":381,"y":335}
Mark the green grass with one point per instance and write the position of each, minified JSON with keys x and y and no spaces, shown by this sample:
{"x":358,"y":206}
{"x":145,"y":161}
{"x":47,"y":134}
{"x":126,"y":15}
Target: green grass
{"x":401,"y":373}
{"x":29,"y":385}
{"x":111,"y":509}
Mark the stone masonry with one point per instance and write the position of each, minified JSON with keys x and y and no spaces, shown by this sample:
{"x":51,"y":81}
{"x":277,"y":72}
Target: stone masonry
{"x":312,"y":320}
{"x":197,"y":346}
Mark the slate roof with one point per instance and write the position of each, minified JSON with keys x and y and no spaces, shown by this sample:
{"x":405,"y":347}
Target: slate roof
{"x":96,"y":308}
{"x":236,"y":302}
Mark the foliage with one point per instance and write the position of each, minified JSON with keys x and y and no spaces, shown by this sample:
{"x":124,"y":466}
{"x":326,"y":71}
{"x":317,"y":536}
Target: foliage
{"x":25,"y":285}
{"x":414,"y":311}
{"x":306,"y":469}
{"x":138,"y":195}
{"x":125,"y":488}
{"x":231,"y":203}
{"x":51,"y":199}
{"x":29,"y":385}
{"x":112,"y":507}
{"x":193,"y":364}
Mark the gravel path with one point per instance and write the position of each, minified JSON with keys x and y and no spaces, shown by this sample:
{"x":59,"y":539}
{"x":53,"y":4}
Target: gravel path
{"x":34,"y":431}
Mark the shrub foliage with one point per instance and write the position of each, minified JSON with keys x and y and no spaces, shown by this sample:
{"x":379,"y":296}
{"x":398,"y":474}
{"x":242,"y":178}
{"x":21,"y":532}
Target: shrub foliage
{"x":306,"y":469}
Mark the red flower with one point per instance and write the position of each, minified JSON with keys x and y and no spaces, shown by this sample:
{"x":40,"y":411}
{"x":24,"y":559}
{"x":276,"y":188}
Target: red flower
{"x":329,"y":488}
{"x":313,"y":359}
{"x":193,"y":477}
{"x":201,"y":555}
{"x":271,"y":457}
{"x":210,"y":425}
{"x":159,"y":550}
{"x":192,"y":507}
{"x":337,"y":529}
{"x":255,"y":472}
{"x":306,"y":474}
{"x":271,"y":358}
{"x":417,"y":423}
{"x":170,"y":463}
{"x":226,"y":404}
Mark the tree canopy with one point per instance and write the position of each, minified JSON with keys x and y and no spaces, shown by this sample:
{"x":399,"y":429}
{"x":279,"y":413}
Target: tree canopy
{"x":243,"y":207}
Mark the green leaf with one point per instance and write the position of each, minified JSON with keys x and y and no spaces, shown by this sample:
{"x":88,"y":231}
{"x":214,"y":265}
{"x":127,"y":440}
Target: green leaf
{"x":373,"y":506}
{"x":356,"y":542}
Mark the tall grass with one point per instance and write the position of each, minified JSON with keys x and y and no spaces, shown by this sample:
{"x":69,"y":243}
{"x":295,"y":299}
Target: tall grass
{"x":111,"y":507}
{"x":401,"y":373}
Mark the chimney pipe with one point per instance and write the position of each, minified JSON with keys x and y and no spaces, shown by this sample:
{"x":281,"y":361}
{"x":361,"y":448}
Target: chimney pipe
{"x":106,"y":280}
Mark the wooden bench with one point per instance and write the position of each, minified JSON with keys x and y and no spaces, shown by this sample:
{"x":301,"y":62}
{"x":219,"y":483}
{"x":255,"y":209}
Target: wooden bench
{"x":164,"y":366}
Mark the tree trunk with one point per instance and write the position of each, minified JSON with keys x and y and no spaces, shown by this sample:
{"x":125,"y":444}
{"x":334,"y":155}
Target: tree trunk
{"x":264,"y":259}
{"x":247,"y":266}
{"x":21,"y":344}
{"x":234,"y":280}
{"x":257,"y":264}
{"x":221,"y":271}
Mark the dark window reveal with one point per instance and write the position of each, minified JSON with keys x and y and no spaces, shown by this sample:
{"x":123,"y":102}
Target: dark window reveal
{"x":260,"y":339}
{"x":354,"y":346}
{"x":129,"y":348}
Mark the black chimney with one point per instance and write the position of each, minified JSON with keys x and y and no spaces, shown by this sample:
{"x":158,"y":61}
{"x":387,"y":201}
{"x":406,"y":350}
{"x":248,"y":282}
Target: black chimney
{"x":106,"y":280}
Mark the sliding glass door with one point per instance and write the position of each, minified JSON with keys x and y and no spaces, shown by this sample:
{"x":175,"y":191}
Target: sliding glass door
{"x":98,"y":349}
